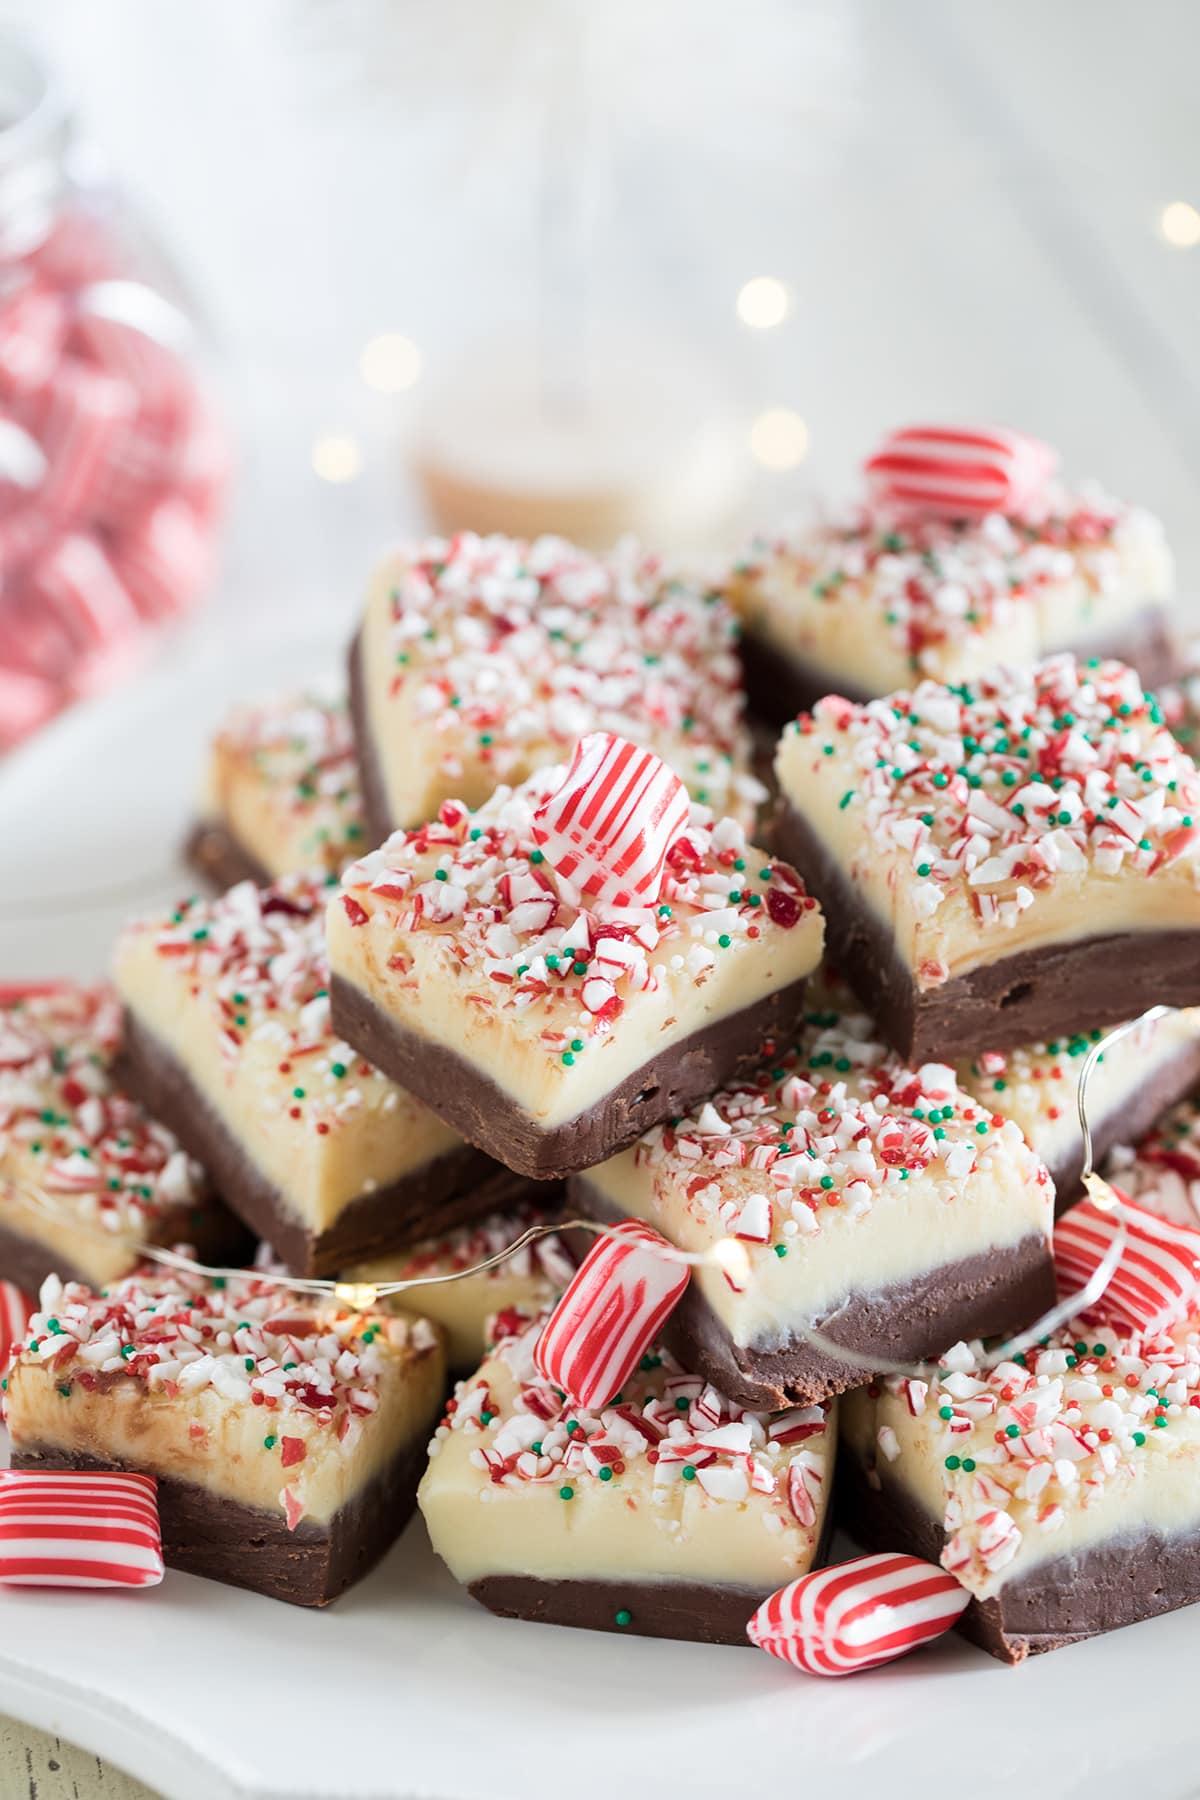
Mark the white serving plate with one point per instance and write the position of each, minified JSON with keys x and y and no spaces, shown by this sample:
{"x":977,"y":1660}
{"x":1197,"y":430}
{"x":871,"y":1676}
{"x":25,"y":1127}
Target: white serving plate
{"x":405,"y":1687}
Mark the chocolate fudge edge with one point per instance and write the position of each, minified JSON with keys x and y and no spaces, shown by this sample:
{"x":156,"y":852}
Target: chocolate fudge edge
{"x":1085,"y":984}
{"x":476,"y":1107}
{"x":986,"y":1295}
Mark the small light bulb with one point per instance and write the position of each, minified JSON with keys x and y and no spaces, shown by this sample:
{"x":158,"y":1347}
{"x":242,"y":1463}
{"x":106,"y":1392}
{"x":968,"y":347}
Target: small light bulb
{"x":762,"y":303}
{"x":779,"y":438}
{"x":390,"y":363}
{"x":359,"y":1296}
{"x":1179,"y":222}
{"x":1100,"y":1193}
{"x":336,"y":458}
{"x":733,"y":1259}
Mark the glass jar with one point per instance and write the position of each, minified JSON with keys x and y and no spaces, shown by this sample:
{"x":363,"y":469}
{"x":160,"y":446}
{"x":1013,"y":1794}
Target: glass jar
{"x":112,"y":458}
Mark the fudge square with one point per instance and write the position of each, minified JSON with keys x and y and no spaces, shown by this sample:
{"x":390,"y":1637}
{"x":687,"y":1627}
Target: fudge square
{"x":1061,"y":1487}
{"x":86,"y":1175}
{"x":548,"y":1032}
{"x":1001,"y":862}
{"x":1134,"y":1083}
{"x":280,"y":791}
{"x":836,"y":1190}
{"x":228,"y":1040}
{"x":482,"y":659}
{"x":528,"y":1281}
{"x":287,"y":1434}
{"x":880,"y":596}
{"x":673,"y":1512}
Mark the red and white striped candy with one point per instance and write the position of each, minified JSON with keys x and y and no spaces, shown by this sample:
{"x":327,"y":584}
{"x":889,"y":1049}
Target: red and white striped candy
{"x":858,"y":1615}
{"x":137,"y":335}
{"x":16,"y":1310}
{"x":33,"y":327}
{"x":78,"y":584}
{"x":68,"y":1529}
{"x":1157,"y":1279}
{"x":616,"y":1304}
{"x":165,"y":559}
{"x":609,"y":827}
{"x":81,"y":423}
{"x":955,"y":472}
{"x":26,"y":701}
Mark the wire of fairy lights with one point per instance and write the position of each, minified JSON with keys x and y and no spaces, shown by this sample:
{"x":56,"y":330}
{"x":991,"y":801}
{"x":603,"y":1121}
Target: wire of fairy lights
{"x":728,"y":1254}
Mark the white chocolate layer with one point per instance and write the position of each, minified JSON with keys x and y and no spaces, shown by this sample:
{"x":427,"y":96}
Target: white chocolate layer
{"x":748,"y":1515}
{"x":186,"y":1408}
{"x":830,"y":1177}
{"x":238,"y":993}
{"x":875,"y":603}
{"x":83,"y":1170}
{"x":1041,"y":833}
{"x":456,"y":933}
{"x":281,"y":778}
{"x":484,"y":659}
{"x":1036,"y":1086}
{"x":1072,"y":1475}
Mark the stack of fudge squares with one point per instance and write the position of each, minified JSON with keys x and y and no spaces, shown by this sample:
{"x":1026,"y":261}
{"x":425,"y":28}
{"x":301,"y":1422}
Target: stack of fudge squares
{"x":506,"y":948}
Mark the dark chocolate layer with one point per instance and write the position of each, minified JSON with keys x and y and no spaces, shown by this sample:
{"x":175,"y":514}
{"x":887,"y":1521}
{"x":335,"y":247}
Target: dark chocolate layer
{"x":216,"y":856}
{"x":1062,"y":1601}
{"x":697,"y":1611}
{"x":987,"y":1295}
{"x":376,"y":810}
{"x":470,"y":1101}
{"x":1025,"y":998}
{"x":206,"y":1533}
{"x":452,"y":1190}
{"x":210,"y":1230}
{"x":778,"y":685}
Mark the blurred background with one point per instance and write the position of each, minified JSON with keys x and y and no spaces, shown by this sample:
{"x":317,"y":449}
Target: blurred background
{"x":671,"y":264}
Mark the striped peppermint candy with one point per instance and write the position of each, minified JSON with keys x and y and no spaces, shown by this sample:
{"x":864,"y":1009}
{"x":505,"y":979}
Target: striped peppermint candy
{"x":1157,"y":1279}
{"x":71,"y":1529}
{"x":858,"y":1615}
{"x":616,"y":1304}
{"x":610,"y":825}
{"x":956,"y":472}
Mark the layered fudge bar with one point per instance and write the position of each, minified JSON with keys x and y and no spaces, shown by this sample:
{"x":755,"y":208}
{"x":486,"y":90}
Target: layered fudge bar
{"x":527,"y":1281}
{"x":1062,"y":1488}
{"x":228,"y":1040}
{"x":286,"y":1435}
{"x":1002,"y":862}
{"x":881,"y":596}
{"x":280,"y":792}
{"x":480,"y":660}
{"x":673,"y":1512}
{"x":874,"y":1203}
{"x":1135,"y":1081}
{"x":86,"y":1175}
{"x":552,"y":1034}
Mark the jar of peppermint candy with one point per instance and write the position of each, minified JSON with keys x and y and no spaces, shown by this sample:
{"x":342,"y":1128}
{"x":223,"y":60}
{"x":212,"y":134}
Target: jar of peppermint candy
{"x":112,"y":458}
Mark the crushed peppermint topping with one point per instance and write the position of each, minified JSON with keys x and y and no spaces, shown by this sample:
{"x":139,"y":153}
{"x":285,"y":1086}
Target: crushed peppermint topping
{"x":1004,"y":783}
{"x":1163,"y":1174}
{"x":515,"y":650}
{"x":1036,"y":1079}
{"x":479,"y":881}
{"x":672,"y":1424}
{"x":94,"y":1149}
{"x":299,"y":748}
{"x":939,"y":583}
{"x":255,"y":962}
{"x":250,"y":1340}
{"x":465,"y":1247}
{"x":1053,"y":1428}
{"x":827,"y":1126}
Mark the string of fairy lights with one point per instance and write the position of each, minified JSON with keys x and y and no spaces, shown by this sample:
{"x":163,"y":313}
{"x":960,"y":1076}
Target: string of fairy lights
{"x":728,"y":1255}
